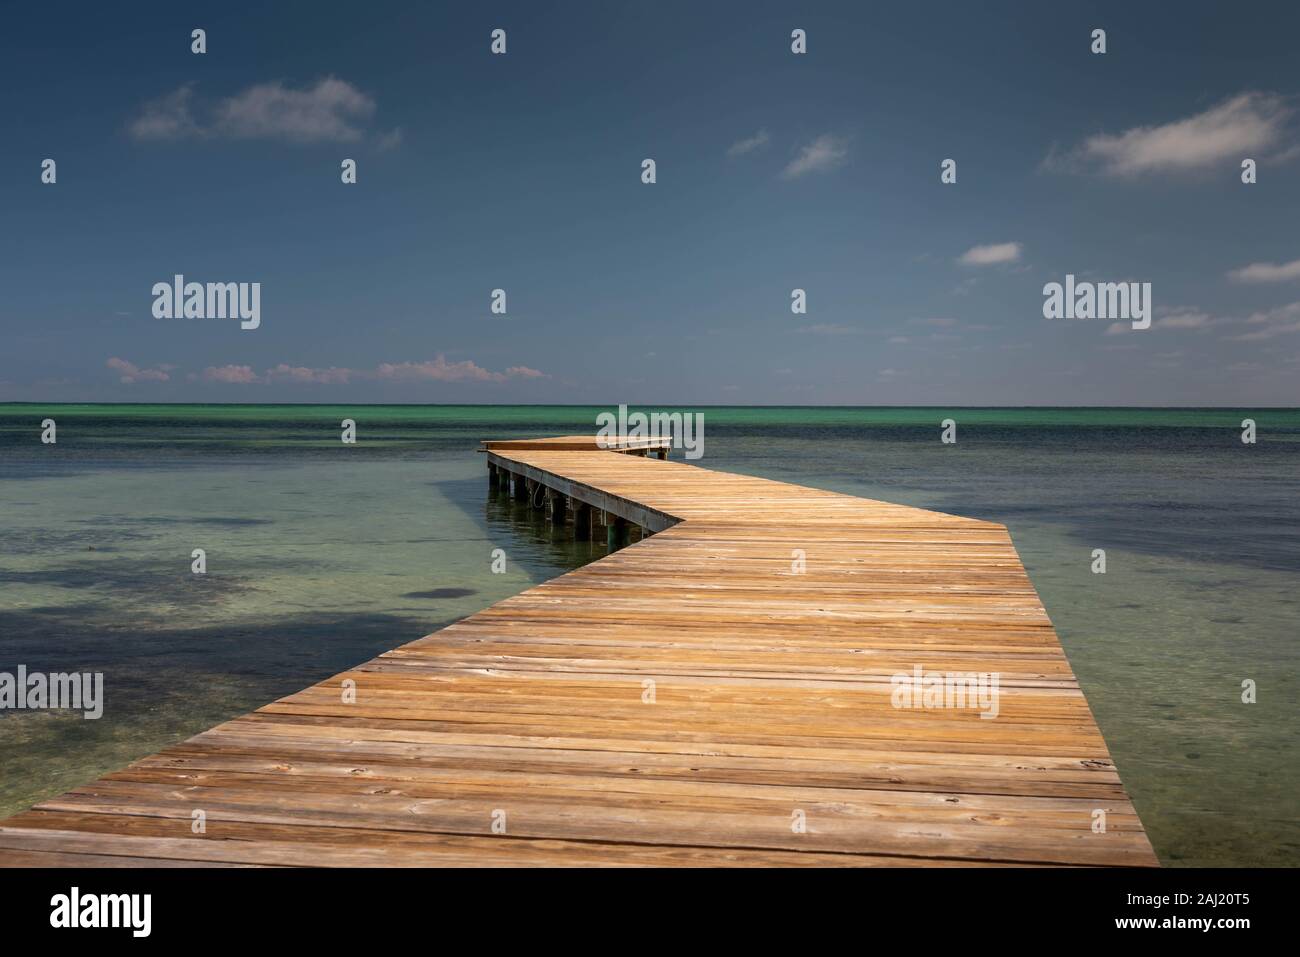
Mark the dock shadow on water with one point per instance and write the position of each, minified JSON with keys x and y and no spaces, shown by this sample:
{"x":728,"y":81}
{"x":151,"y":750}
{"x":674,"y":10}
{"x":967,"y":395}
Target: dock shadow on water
{"x":162,"y":685}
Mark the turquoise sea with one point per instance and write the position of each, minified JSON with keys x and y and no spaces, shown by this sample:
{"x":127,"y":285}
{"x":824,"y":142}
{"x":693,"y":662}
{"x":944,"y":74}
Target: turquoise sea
{"x":321,"y":555}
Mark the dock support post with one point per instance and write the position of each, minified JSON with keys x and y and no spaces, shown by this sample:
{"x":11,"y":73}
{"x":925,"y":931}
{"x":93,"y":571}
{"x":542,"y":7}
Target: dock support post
{"x":616,"y":534}
{"x":581,"y":521}
{"x":559,"y":507}
{"x":663,"y":454}
{"x":492,"y":477}
{"x":521,"y":488}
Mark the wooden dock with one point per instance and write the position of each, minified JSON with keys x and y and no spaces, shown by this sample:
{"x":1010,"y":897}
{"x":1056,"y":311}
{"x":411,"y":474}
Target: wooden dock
{"x":719,"y":693}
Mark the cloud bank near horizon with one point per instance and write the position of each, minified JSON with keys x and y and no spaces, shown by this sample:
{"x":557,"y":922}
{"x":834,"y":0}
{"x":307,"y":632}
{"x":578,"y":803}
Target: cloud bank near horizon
{"x":437,"y":369}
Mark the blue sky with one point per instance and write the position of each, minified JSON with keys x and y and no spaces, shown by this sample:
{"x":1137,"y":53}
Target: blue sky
{"x":775,"y":171}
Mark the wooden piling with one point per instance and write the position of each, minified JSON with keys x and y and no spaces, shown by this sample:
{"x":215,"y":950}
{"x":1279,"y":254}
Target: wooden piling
{"x":616,"y":534}
{"x":581,"y":521}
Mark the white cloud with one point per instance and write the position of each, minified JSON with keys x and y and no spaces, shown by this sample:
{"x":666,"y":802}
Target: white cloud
{"x":330,"y":110}
{"x":443,"y":371}
{"x":300,"y":374}
{"x":1261,"y":325}
{"x":327,"y":111}
{"x":1278,"y":321}
{"x":241,"y":375}
{"x":830,"y":329}
{"x":1267,"y":272}
{"x":944,"y":329}
{"x":1247,"y":125}
{"x":991,"y":255}
{"x":389,"y":141}
{"x":232,"y":374}
{"x":824,"y":153}
{"x":129,"y":372}
{"x":166,"y":118}
{"x":1184,"y":319}
{"x":749,"y":144}
{"x":438,"y":369}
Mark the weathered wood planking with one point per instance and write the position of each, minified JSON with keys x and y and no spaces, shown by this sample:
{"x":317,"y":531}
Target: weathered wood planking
{"x":772,"y":697}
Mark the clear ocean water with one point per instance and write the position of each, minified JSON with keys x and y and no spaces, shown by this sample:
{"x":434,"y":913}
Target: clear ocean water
{"x":321,"y":555}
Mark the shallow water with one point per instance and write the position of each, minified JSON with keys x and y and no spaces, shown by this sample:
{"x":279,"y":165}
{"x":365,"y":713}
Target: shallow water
{"x":322,"y":555}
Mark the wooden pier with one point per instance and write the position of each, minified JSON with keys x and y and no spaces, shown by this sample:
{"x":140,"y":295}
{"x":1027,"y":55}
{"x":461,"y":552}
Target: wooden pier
{"x":719,"y":693}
